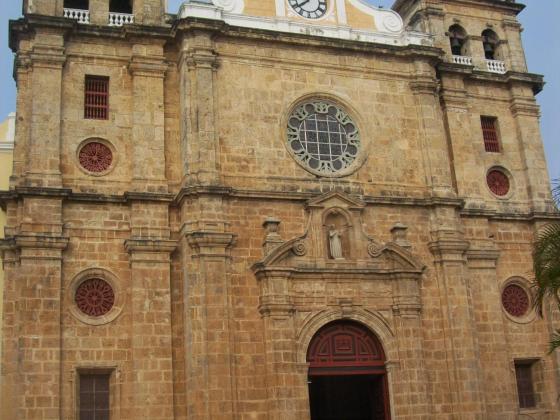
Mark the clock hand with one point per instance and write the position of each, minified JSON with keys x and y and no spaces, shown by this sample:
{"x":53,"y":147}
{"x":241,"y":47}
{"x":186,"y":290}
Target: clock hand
{"x":303,"y":4}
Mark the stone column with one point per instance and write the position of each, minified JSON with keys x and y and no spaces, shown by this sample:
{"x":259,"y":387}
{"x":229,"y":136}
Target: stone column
{"x":199,"y":138}
{"x":461,"y":345}
{"x":526,"y":113}
{"x":435,"y":151}
{"x":495,"y":360}
{"x":208,"y":342}
{"x":150,"y":391}
{"x":411,"y":375}
{"x":148,"y":67}
{"x":47,"y":60}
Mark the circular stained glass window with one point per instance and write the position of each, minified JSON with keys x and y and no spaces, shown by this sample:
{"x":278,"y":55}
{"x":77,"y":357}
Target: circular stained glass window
{"x":515,"y":300}
{"x":95,"y":297}
{"x":498,"y":182}
{"x":95,"y":157}
{"x":323,"y":138}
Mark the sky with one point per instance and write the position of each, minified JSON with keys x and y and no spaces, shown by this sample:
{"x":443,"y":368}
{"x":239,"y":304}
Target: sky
{"x":541,"y":46}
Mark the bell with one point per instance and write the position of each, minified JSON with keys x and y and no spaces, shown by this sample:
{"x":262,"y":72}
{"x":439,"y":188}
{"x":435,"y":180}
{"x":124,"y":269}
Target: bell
{"x":455,"y":43}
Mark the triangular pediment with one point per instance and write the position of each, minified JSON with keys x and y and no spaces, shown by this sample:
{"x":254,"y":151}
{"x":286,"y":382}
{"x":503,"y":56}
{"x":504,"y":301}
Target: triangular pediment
{"x":336,"y":199}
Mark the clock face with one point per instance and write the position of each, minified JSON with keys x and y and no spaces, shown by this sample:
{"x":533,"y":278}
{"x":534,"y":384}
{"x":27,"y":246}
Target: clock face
{"x":310,"y":9}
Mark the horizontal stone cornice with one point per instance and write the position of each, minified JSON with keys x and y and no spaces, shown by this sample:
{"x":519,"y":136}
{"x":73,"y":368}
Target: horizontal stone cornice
{"x":38,"y":241}
{"x":150,"y":245}
{"x":348,"y":273}
{"x":148,"y":66}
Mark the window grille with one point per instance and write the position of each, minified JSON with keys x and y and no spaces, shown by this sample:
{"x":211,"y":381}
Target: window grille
{"x":525,"y":386}
{"x":490,"y":134}
{"x":96,"y":101}
{"x":94,"y":396}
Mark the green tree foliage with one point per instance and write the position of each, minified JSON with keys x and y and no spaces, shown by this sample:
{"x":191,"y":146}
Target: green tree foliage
{"x":546,"y":265}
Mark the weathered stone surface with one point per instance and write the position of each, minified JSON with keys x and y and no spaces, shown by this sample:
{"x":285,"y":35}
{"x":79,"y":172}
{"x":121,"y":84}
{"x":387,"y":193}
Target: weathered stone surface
{"x":216,"y":240}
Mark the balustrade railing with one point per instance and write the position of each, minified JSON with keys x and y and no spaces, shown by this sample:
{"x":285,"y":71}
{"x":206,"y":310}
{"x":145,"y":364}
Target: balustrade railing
{"x":461,"y":59}
{"x":496,"y":66}
{"x":82,"y":16}
{"x":120,"y":19}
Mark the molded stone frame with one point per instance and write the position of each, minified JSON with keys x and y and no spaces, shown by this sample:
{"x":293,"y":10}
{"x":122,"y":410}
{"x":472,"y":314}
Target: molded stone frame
{"x":305,"y":258}
{"x":113,"y":282}
{"x":531,"y":314}
{"x":508,"y":174}
{"x":105,"y":143}
{"x":344,"y":105}
{"x":115,"y":385}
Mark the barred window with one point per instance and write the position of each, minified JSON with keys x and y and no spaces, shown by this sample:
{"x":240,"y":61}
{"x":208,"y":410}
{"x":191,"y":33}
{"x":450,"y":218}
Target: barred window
{"x":490,"y":134}
{"x":525,"y":385}
{"x":96,"y":101}
{"x":94,"y":396}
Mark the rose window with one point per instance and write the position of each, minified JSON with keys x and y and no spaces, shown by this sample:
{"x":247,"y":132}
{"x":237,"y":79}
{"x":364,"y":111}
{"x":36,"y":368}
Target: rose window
{"x":95,"y":297}
{"x":95,"y":157}
{"x":498,"y":182}
{"x":323,"y":138}
{"x":515,"y":300}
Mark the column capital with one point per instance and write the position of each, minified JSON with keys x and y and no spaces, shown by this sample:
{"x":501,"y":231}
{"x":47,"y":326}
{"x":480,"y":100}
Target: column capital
{"x":211,"y":244}
{"x":150,"y":250}
{"x":148,"y":66}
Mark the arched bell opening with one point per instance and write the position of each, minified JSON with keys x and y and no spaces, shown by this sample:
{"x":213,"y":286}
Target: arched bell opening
{"x":458,"y":40}
{"x":490,"y":43}
{"x":120,"y":6}
{"x":76,"y":4}
{"x":347,"y":375}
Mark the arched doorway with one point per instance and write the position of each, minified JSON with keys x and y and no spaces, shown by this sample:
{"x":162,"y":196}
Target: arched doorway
{"x":347,"y":375}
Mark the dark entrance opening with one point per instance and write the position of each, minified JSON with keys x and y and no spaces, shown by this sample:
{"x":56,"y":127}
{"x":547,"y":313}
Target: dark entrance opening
{"x":347,"y":376}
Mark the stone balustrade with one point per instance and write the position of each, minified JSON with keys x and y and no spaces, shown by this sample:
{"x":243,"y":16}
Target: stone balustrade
{"x":82,"y":16}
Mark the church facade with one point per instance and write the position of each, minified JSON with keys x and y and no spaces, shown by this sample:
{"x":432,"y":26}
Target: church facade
{"x":274,"y":209}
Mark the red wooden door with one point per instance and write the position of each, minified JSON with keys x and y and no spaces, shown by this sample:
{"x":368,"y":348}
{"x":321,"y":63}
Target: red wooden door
{"x":347,"y":376}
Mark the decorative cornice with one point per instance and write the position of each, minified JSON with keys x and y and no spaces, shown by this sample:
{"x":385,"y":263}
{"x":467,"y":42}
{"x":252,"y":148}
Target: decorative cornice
{"x":149,"y":245}
{"x":148,"y":66}
{"x":41,"y":241}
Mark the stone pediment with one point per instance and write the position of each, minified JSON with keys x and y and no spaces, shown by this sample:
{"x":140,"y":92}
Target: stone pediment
{"x":335,"y":241}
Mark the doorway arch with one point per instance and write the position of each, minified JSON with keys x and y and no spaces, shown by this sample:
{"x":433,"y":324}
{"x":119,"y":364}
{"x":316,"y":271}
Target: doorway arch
{"x":347,"y":376}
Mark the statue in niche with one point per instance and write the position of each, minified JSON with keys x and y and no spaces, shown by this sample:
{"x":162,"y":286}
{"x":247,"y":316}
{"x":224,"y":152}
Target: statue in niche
{"x":335,"y":243}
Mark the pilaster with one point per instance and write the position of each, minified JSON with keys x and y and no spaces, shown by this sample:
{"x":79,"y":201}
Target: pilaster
{"x":31,"y":359}
{"x":434,"y":143}
{"x":526,"y":113}
{"x":407,"y":308}
{"x":148,"y":68}
{"x":150,"y":393}
{"x":515,"y":50}
{"x":464,"y":153}
{"x":283,"y":383}
{"x":494,"y":356}
{"x":43,"y":155}
{"x":199,"y":142}
{"x":209,"y":346}
{"x":463,"y":383}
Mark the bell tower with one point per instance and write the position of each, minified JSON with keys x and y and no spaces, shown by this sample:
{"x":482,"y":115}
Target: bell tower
{"x":101,"y":12}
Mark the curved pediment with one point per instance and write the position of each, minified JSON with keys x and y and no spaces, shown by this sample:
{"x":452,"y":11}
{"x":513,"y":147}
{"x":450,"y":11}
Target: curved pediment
{"x":335,"y":241}
{"x":343,"y":19}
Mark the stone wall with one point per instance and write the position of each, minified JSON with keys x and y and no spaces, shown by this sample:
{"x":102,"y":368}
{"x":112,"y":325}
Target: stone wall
{"x":214,"y":306}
